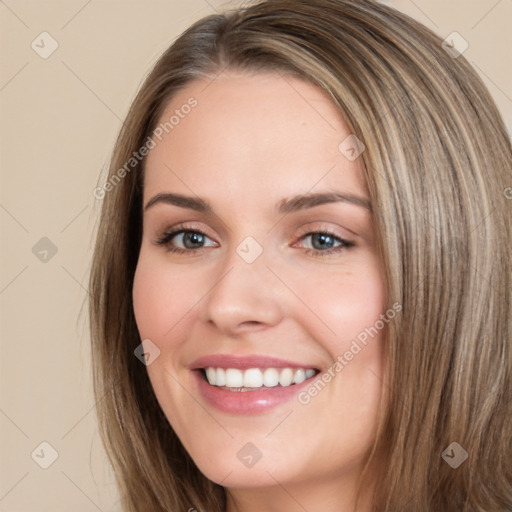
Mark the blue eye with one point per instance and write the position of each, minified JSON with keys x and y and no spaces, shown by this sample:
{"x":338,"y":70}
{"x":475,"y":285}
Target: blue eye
{"x":321,"y":241}
{"x":324,"y":243}
{"x":190,"y":239}
{"x":184,"y":240}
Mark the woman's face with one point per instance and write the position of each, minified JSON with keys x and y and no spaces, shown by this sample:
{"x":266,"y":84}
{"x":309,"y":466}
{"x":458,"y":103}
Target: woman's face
{"x":271,"y":275}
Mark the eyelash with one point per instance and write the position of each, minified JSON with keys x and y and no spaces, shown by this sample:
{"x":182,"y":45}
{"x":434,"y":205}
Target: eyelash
{"x":166,"y":238}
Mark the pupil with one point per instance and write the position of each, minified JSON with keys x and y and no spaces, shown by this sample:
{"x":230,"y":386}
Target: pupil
{"x":193,"y":239}
{"x":323,"y":240}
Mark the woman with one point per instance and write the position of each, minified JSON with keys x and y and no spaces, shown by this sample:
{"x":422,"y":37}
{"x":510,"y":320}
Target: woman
{"x":301,"y":287}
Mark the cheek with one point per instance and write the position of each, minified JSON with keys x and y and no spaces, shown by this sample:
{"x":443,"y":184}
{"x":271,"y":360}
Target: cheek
{"x":162,"y":296}
{"x":149,"y":302}
{"x":343,"y":303}
{"x":163,"y":299}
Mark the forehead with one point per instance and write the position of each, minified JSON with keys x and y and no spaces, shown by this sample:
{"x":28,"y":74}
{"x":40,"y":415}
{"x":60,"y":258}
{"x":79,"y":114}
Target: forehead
{"x":256,"y":135}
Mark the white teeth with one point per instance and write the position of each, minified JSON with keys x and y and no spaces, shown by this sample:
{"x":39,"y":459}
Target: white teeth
{"x":270,"y":378}
{"x":300,"y":376}
{"x":211,"y":375}
{"x":220,"y":379}
{"x":253,"y":378}
{"x":309,"y":373}
{"x":286,"y":377}
{"x":256,"y":377}
{"x":234,"y":378}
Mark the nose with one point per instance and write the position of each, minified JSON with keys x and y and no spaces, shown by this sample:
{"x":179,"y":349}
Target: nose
{"x":245,"y":297}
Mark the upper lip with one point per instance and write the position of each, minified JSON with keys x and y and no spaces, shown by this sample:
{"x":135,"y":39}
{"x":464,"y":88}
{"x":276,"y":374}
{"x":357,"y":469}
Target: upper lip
{"x":244,"y":362}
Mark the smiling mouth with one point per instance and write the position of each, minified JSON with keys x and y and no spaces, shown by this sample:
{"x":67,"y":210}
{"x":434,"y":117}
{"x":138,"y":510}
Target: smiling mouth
{"x":253,"y":379}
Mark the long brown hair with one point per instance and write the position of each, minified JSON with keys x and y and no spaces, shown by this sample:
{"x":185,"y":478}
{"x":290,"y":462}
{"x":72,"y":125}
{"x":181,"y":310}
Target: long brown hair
{"x":438,"y":165}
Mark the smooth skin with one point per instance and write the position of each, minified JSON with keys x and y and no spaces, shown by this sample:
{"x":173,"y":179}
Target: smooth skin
{"x":252,"y":141}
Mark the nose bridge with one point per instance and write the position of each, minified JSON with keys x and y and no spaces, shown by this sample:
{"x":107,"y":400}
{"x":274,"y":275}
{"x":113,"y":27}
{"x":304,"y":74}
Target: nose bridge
{"x":246,"y":292}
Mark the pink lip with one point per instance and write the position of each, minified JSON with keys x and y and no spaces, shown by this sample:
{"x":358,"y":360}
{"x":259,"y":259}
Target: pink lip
{"x":244,"y":362}
{"x":245,"y":402}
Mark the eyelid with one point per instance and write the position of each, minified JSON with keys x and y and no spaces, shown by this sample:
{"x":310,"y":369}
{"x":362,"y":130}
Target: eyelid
{"x":324,"y":227}
{"x":188,"y":226}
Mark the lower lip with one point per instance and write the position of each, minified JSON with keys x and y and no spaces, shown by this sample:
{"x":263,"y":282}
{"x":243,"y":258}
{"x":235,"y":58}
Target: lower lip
{"x":247,"y":402}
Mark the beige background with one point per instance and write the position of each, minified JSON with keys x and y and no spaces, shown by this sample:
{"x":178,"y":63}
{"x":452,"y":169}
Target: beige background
{"x":59,"y":117}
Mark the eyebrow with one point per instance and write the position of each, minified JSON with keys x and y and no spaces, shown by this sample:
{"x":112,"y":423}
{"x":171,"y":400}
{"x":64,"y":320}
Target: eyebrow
{"x":305,"y":201}
{"x":293,"y":204}
{"x":180,"y":200}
